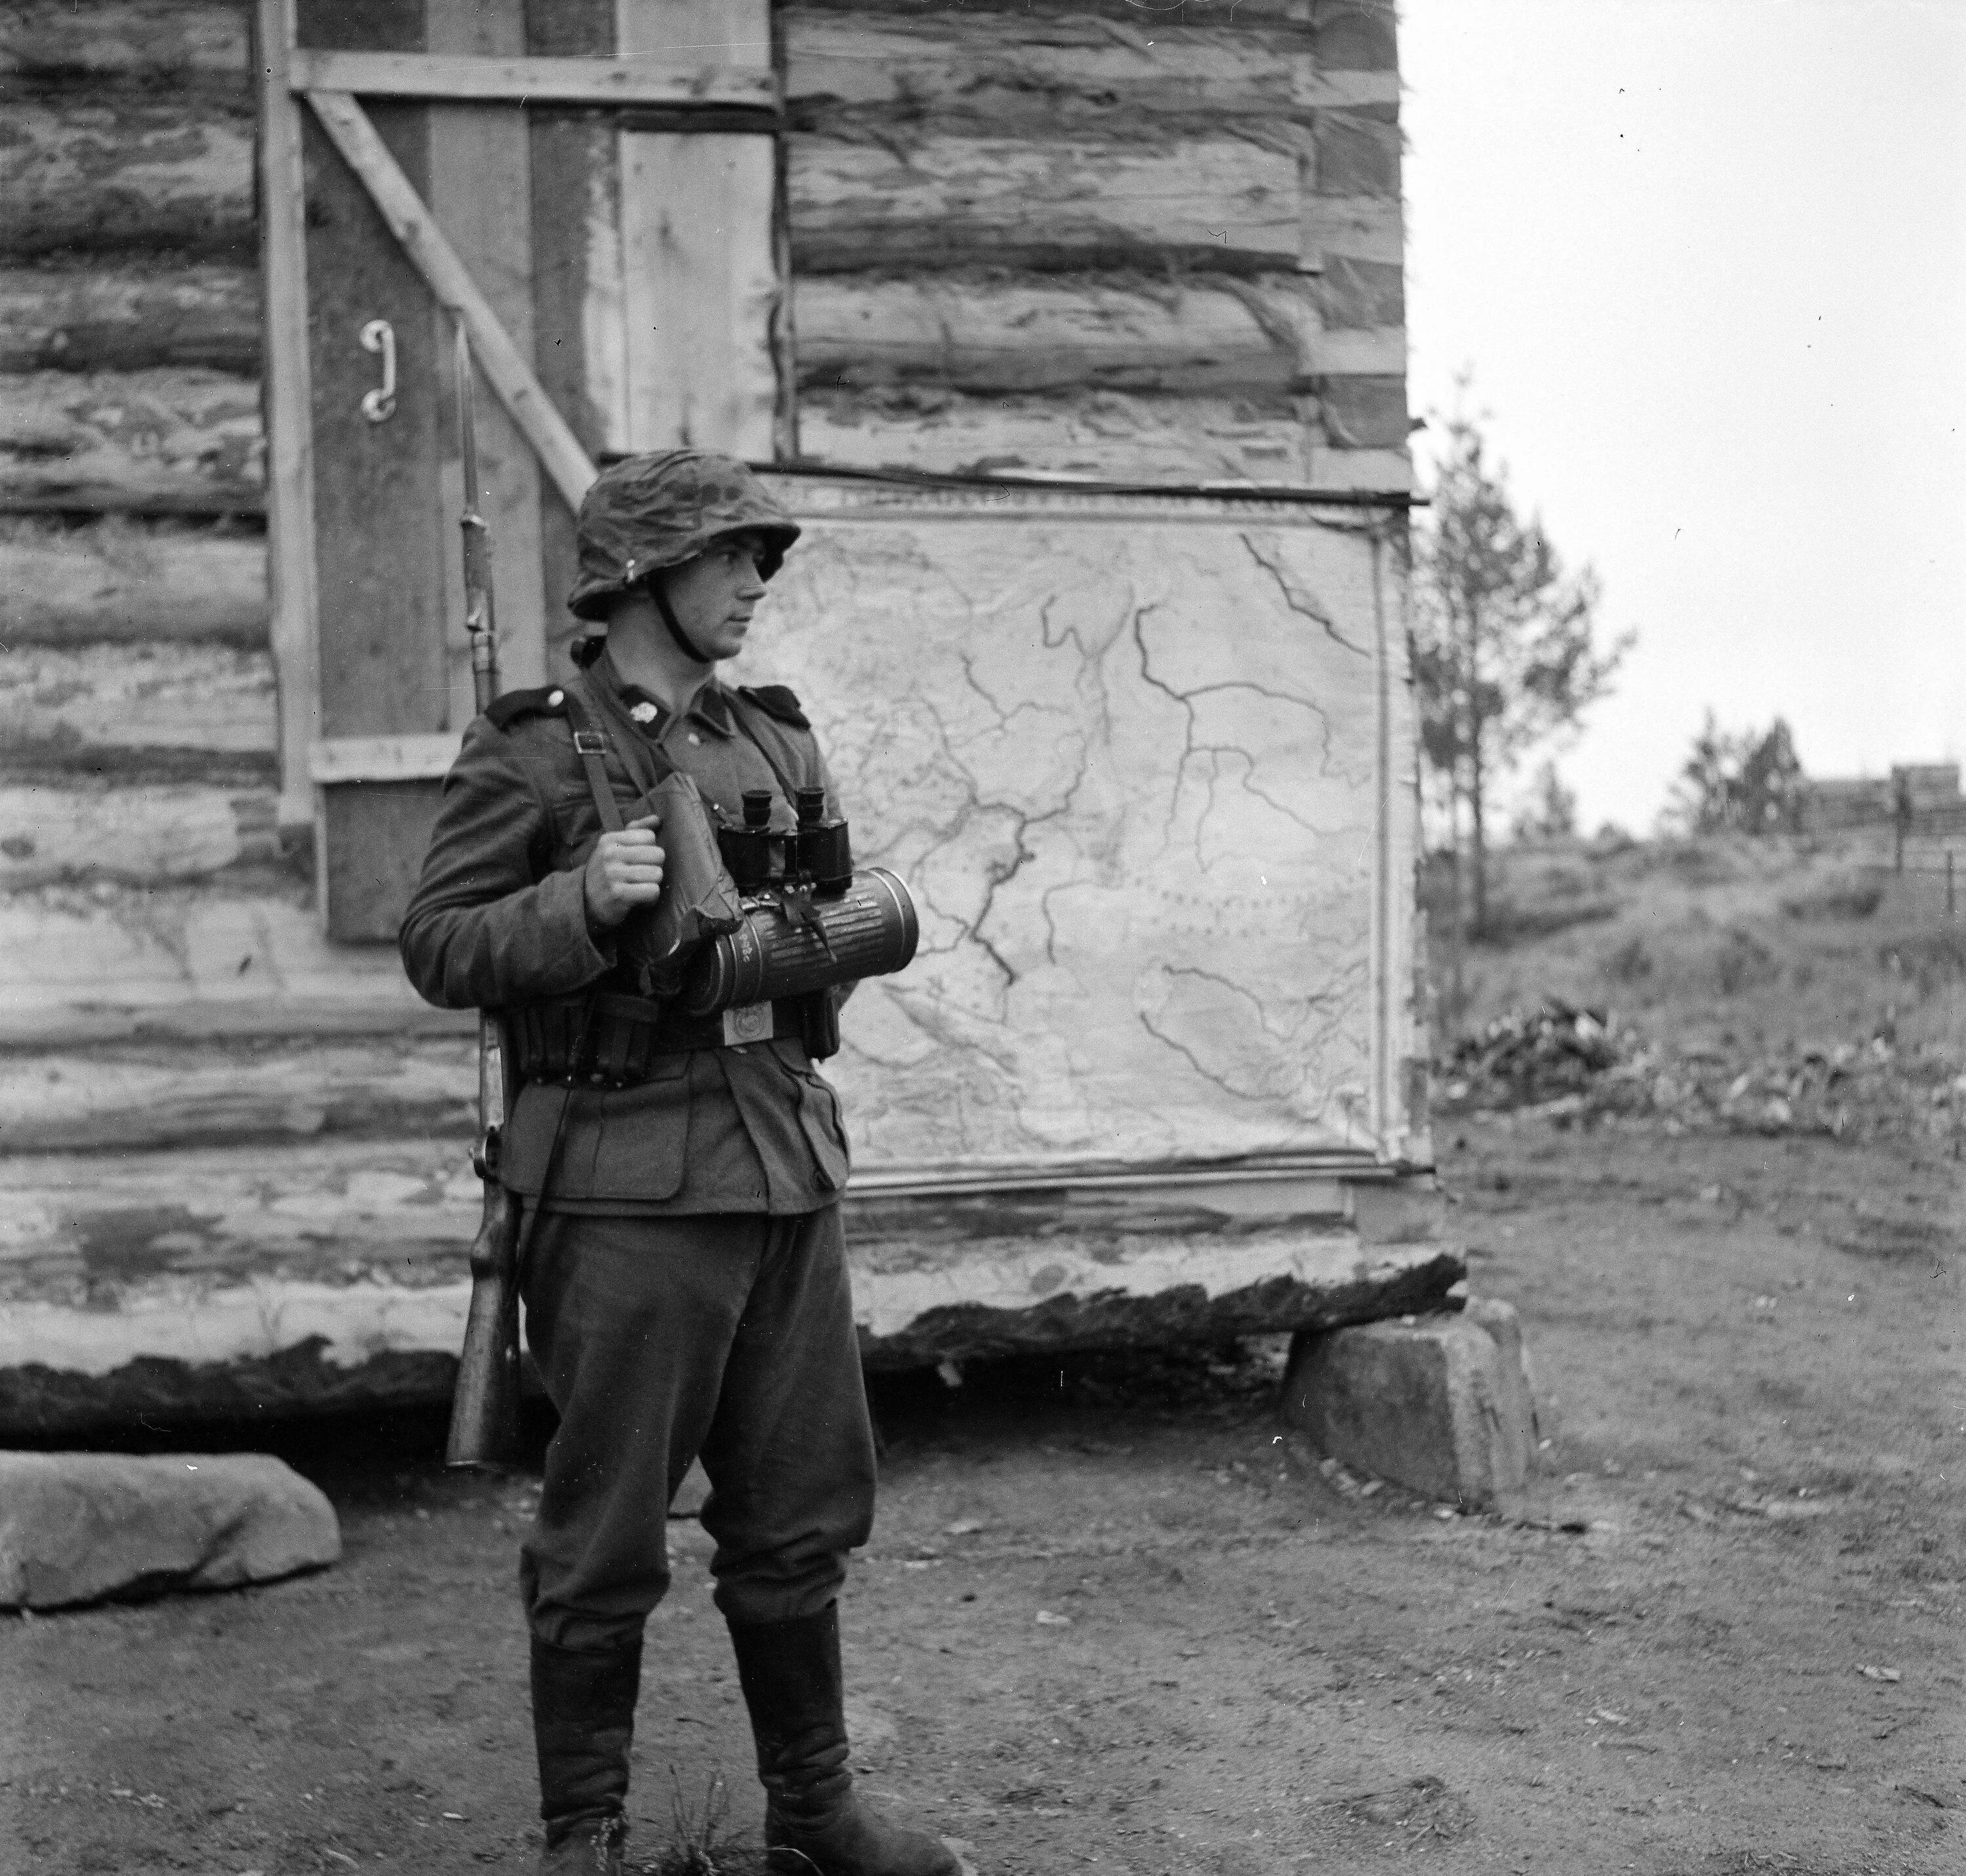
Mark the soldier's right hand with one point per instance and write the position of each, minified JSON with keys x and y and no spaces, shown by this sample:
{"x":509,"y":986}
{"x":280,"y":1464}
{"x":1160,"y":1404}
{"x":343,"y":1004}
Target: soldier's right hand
{"x":624,"y":870}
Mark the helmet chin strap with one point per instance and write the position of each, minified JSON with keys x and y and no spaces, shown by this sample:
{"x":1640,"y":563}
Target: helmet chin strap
{"x":667,"y":613}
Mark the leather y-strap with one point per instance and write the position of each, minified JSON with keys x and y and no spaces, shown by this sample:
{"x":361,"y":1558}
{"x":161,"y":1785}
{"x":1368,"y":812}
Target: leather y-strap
{"x":590,"y":744}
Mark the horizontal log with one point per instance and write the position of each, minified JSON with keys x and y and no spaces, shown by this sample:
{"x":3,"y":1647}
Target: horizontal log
{"x":52,"y":835}
{"x":105,"y":963}
{"x":864,"y":67}
{"x":148,"y":1098}
{"x":137,"y":712}
{"x":1174,"y":441}
{"x":156,"y":442}
{"x":1221,"y":202}
{"x":90,"y":172}
{"x":129,"y":316}
{"x":124,"y":578}
{"x":993,"y":332}
{"x":217,"y":1260}
{"x":160,"y":43}
{"x":1365,"y":412}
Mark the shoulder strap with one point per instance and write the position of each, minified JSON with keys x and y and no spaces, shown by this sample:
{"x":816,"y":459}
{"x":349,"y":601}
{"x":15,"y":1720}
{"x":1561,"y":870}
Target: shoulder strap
{"x":764,"y":748}
{"x":591,"y":747}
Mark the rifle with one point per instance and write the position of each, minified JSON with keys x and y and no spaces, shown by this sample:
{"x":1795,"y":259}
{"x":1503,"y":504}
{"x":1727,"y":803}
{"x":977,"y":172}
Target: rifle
{"x":484,"y":1409}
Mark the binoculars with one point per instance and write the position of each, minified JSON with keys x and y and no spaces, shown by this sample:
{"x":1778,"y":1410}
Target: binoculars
{"x":810,"y":921}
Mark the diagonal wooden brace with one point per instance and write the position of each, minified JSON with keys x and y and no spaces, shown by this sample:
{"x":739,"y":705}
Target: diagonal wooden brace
{"x":410,"y":220}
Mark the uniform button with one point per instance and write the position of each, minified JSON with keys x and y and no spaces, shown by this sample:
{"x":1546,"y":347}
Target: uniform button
{"x":694,"y":738}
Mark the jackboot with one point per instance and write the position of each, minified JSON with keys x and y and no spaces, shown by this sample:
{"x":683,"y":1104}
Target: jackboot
{"x":813,"y":1824}
{"x":583,"y":1722}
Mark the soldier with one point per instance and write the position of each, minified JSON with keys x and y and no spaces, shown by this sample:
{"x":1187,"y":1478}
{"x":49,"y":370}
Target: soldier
{"x":684,"y":1281}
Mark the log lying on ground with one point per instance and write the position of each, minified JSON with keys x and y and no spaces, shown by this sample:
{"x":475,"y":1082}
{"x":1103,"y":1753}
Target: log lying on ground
{"x":130,"y":316}
{"x":139,"y":713}
{"x":161,"y":1097}
{"x":127,"y":578}
{"x":164,"y":43}
{"x":175,"y":1282}
{"x":983,"y":332}
{"x":175,"y":442}
{"x":51,"y":834}
{"x":91,"y":965}
{"x":88,"y":170}
{"x":1166,"y":441}
{"x":1223,"y":202}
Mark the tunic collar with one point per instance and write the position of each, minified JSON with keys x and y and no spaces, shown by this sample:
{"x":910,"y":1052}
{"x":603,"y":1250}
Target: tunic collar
{"x":711,"y":707}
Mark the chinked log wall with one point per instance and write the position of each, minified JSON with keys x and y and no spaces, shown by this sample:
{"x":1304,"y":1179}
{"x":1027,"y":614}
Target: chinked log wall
{"x":1146,"y":246}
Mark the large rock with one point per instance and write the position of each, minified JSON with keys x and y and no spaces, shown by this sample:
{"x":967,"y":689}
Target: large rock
{"x":76,"y":1527}
{"x":1439,"y":1404}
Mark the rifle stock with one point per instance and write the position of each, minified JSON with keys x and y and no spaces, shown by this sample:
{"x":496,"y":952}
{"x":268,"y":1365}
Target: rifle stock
{"x":485,"y":1407}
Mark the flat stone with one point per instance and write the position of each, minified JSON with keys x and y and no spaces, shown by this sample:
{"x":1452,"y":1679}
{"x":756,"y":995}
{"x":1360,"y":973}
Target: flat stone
{"x":1439,"y":1403}
{"x":78,"y":1527}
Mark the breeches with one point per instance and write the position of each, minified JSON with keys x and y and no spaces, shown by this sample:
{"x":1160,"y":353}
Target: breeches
{"x":729,"y":1336}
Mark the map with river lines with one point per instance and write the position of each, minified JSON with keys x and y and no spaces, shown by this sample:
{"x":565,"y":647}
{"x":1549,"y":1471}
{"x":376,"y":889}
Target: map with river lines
{"x":1129,"y":764}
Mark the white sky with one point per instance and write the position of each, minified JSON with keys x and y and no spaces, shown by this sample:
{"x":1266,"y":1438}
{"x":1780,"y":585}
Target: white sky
{"x":1707,"y":259}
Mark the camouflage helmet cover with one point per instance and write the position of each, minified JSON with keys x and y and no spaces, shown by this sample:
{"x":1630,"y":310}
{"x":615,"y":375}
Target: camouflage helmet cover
{"x":645,"y":513}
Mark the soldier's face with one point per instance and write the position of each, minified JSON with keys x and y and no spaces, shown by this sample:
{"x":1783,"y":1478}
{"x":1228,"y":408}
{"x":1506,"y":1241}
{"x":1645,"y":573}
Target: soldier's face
{"x":714,"y":595}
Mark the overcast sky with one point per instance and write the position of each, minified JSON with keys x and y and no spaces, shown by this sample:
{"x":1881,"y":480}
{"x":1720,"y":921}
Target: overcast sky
{"x":1707,"y":259}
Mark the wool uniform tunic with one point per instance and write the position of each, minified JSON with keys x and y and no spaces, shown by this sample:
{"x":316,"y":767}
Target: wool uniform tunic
{"x":685,"y":1289}
{"x":499,"y":918}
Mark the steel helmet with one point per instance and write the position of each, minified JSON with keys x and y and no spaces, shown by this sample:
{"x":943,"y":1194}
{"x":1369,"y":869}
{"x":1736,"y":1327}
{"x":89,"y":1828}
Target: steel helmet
{"x":645,"y":513}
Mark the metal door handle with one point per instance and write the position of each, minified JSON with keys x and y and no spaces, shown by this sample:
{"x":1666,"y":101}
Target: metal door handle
{"x":379,"y":405}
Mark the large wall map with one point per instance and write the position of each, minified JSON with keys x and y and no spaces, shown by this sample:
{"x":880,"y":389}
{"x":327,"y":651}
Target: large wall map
{"x":1128,"y":755}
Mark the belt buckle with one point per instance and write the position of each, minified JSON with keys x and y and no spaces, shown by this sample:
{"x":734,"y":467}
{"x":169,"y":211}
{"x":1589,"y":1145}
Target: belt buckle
{"x":748,"y":1022}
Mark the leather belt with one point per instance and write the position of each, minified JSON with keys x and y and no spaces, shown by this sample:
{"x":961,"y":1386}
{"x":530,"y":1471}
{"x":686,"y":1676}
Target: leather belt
{"x":610,"y":1040}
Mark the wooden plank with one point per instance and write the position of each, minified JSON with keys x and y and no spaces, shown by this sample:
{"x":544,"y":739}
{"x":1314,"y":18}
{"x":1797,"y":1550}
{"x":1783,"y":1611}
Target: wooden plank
{"x":122,"y":578}
{"x":867,"y":67}
{"x":345,"y":759}
{"x":702,"y":290}
{"x":675,"y":80}
{"x":411,"y":222}
{"x":1217,"y":202}
{"x":981,"y":332}
{"x":192,"y":1264}
{"x":130,"y":316}
{"x":148,"y":442}
{"x":138,"y":711}
{"x":700,"y":267}
{"x":579,"y":288}
{"x":157,"y":42}
{"x":481,"y":194}
{"x":115,"y":962}
{"x":373,"y":840}
{"x":52,"y":835}
{"x":385,"y":531}
{"x":293,"y":588}
{"x":86,"y":171}
{"x":162,"y":1097}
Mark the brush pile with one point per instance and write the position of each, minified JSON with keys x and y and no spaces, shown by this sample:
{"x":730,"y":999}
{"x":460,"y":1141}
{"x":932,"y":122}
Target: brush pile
{"x":1575,"y":1066}
{"x":1559,"y":1053}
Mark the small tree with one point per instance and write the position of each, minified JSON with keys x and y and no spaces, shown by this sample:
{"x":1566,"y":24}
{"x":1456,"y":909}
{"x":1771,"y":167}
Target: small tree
{"x":1742,"y":782}
{"x":1550,"y":812}
{"x":1503,"y":650}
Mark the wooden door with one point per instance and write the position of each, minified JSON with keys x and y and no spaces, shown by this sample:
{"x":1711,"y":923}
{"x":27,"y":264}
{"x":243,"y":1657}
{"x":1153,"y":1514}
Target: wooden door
{"x":590,"y":187}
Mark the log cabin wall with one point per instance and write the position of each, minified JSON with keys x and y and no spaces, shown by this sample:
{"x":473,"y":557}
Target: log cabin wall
{"x":1154,"y":248}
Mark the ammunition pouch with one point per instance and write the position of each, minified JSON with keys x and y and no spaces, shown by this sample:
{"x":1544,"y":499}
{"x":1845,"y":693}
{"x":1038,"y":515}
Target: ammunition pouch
{"x":607,"y":1040}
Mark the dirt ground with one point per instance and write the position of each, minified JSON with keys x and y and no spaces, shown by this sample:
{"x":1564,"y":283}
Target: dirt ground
{"x":1111,"y":1619}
